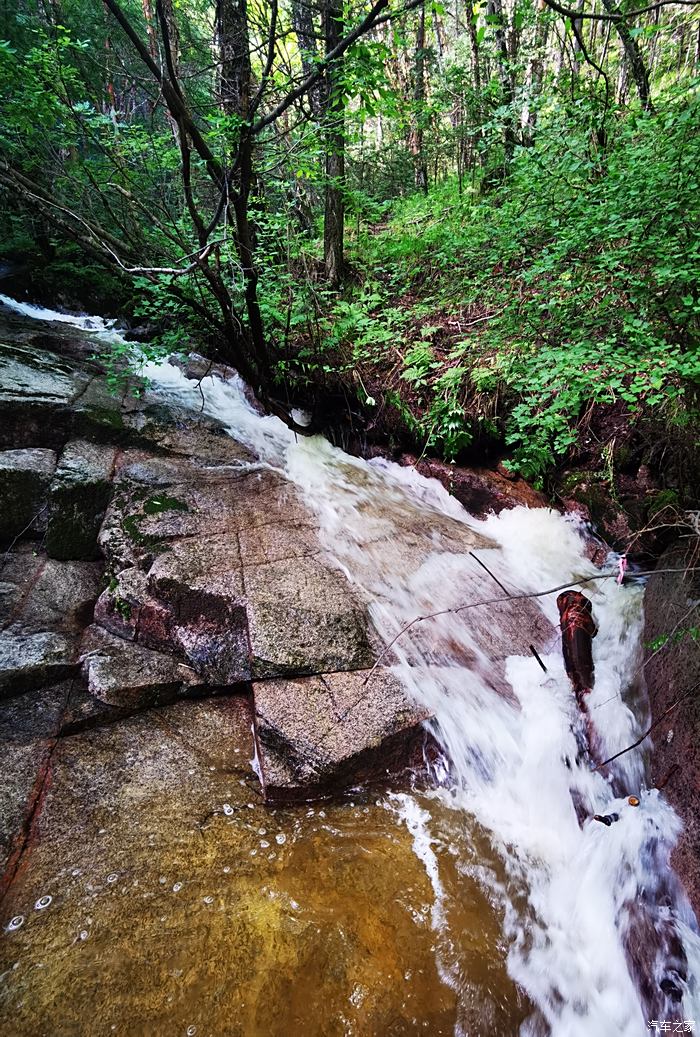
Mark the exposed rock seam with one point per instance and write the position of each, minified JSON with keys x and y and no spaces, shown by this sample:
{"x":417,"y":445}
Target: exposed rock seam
{"x":19,"y":607}
{"x":35,"y":805}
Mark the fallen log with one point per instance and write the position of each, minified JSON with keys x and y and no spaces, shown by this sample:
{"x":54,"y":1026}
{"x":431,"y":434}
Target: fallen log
{"x":578,"y":629}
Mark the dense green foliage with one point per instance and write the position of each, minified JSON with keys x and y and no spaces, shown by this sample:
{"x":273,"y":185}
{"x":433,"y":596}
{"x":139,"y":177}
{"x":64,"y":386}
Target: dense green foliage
{"x":517,"y":191}
{"x":578,"y":277}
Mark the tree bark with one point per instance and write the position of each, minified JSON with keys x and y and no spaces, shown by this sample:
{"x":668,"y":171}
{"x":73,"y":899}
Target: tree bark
{"x":420,"y":167}
{"x":233,"y":57}
{"x":535,"y":74}
{"x":303,"y":25}
{"x":494,"y":10}
{"x":334,"y":113}
{"x":633,"y":54}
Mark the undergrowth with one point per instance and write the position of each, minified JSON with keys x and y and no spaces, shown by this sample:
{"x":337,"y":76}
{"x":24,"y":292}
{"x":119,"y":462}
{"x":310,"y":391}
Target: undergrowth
{"x":509,"y":313}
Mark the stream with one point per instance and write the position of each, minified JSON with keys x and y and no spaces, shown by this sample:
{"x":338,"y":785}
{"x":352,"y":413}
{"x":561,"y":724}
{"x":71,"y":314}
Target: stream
{"x":518,"y":913}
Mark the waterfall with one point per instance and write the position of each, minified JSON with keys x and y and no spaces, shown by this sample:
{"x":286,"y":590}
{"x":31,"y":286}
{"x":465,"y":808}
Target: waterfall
{"x":570,"y":888}
{"x":596,"y":928}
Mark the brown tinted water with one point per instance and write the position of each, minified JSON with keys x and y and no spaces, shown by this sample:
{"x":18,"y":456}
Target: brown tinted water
{"x":180,"y":904}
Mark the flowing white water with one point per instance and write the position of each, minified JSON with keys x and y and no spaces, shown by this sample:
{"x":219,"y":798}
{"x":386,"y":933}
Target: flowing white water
{"x":84,"y":321}
{"x":569,"y":888}
{"x":590,"y":913}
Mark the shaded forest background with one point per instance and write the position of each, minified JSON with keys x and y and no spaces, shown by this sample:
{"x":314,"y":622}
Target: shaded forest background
{"x":472,"y":230}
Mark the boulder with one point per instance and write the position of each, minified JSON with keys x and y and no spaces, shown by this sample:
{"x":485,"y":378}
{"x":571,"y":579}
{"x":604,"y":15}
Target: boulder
{"x":129,"y":676}
{"x":202,"y":583}
{"x":79,"y":496}
{"x":237,"y":581}
{"x":31,"y":660}
{"x":672,"y":670}
{"x":18,"y":571}
{"x":304,"y":618}
{"x":24,"y":481}
{"x":480,"y":491}
{"x":203,"y":440}
{"x":58,"y":596}
{"x":37,"y":390}
{"x":316,"y":734}
{"x":127,"y":609}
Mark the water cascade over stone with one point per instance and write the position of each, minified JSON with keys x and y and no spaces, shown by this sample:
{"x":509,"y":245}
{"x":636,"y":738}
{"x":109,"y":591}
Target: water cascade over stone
{"x":591,"y":922}
{"x":590,"y":912}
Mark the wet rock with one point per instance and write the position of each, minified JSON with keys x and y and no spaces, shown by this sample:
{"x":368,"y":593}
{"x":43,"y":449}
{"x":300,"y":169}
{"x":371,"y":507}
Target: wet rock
{"x":29,"y":725}
{"x":19,"y":569}
{"x":37,"y":389}
{"x":672,"y":670}
{"x":58,"y":596}
{"x":99,"y":413}
{"x":202,"y":582}
{"x":84,"y":711}
{"x":304,"y":618}
{"x":201,"y":439}
{"x":127,"y":609}
{"x":79,"y":496}
{"x":129,"y":676}
{"x":480,"y":491}
{"x":30,"y":660}
{"x":24,"y":481}
{"x":318,"y":733}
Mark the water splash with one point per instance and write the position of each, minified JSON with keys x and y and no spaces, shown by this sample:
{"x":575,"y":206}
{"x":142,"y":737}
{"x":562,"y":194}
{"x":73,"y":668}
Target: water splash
{"x":104,"y":331}
{"x":508,"y":729}
{"x":582,"y":903}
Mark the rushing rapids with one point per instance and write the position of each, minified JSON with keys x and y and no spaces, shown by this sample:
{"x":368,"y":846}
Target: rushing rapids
{"x":596,"y":928}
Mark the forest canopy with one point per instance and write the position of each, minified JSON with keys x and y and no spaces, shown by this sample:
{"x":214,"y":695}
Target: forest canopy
{"x":483,"y":218}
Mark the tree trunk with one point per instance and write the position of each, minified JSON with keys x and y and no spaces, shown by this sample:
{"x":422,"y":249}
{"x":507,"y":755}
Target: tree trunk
{"x":494,"y":10}
{"x":234,"y":57}
{"x":150,"y":27}
{"x":535,"y":74}
{"x":633,"y":55}
{"x":235,"y":76}
{"x":303,"y":25}
{"x":334,"y":112}
{"x":420,"y":168}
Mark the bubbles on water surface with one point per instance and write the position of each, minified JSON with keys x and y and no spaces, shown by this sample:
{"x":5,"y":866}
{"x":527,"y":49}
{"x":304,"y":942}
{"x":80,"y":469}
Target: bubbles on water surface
{"x":43,"y":902}
{"x":228,"y":809}
{"x":112,"y":878}
{"x":281,"y":838}
{"x":177,"y":887}
{"x":501,"y":754}
{"x":15,"y":923}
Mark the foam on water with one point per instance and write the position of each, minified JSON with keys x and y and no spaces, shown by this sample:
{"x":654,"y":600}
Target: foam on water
{"x":579,"y":899}
{"x":570,"y":886}
{"x":83,"y":321}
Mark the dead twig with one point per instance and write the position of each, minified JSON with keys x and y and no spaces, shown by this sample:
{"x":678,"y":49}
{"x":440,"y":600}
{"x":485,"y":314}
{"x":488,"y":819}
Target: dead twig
{"x":511,"y":597}
{"x":494,"y":578}
{"x":649,"y":729}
